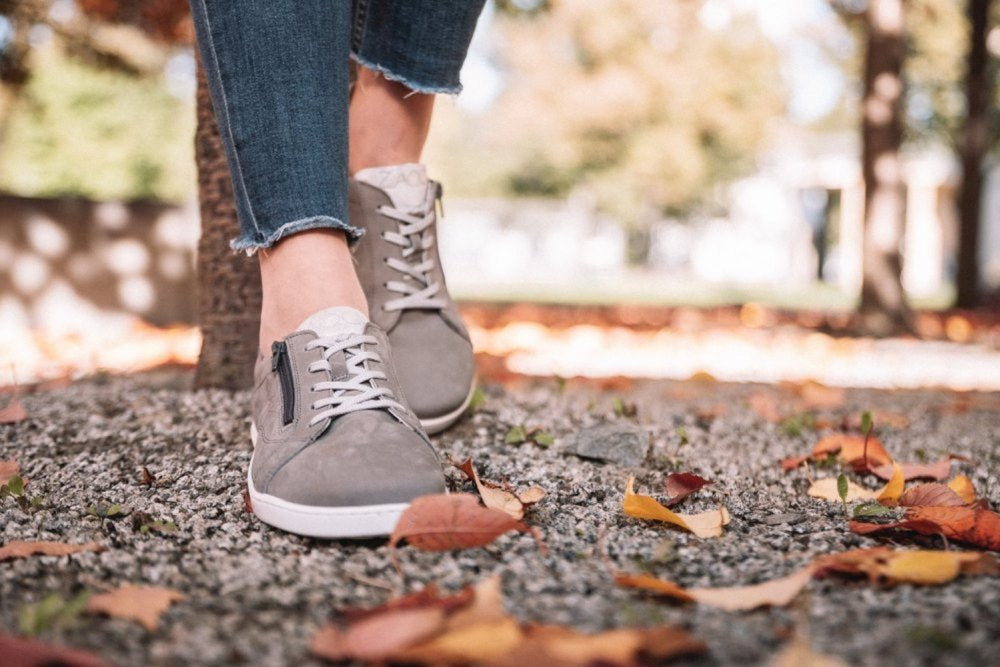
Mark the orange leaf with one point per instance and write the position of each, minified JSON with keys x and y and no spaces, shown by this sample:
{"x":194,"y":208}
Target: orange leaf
{"x":441,"y":522}
{"x":548,"y":645}
{"x":8,"y":469}
{"x":890,"y":493}
{"x":13,"y":412}
{"x":738,"y":598}
{"x":851,"y":449}
{"x":974,"y":525}
{"x":815,"y":395}
{"x":703,"y":524}
{"x":18,"y":651}
{"x":934,"y":494}
{"x":144,"y":604}
{"x":19,"y":549}
{"x":937,"y":470}
{"x":962,"y":485}
{"x":378,"y":637}
{"x":680,"y":485}
{"x":924,"y":567}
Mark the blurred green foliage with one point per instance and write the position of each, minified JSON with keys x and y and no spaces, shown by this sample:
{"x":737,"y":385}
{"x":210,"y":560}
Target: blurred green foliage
{"x":79,"y":130}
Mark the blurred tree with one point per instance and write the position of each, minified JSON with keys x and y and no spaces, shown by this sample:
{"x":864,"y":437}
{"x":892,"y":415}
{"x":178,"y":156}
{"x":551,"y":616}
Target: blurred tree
{"x":974,"y":144}
{"x":883,"y":308}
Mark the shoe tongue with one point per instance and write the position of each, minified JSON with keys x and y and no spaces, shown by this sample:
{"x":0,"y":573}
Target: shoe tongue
{"x":335,"y":322}
{"x":405,"y":184}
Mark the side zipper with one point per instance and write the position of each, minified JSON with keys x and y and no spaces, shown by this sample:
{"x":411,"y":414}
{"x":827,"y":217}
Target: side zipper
{"x":283,"y":366}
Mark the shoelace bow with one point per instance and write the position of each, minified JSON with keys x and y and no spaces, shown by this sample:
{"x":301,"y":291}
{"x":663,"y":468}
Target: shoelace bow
{"x":358,"y":391}
{"x":416,"y":241}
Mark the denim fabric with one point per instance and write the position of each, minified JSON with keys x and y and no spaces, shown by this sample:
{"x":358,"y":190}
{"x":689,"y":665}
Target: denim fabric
{"x":278,"y":74}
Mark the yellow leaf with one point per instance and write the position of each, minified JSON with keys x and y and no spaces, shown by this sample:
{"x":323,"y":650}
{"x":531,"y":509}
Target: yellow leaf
{"x":703,"y":524}
{"x":962,"y":485}
{"x":737,"y":598}
{"x":890,"y":493}
{"x":930,"y":567}
{"x":826,"y":489}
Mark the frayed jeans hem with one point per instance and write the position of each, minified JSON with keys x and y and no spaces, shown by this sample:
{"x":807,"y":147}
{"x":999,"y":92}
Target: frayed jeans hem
{"x":251,"y":246}
{"x":415,"y":87}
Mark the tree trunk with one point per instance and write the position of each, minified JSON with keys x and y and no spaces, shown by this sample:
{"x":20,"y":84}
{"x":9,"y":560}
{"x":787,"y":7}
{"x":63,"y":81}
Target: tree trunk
{"x":883,"y":308}
{"x":229,"y":282}
{"x":975,"y":141}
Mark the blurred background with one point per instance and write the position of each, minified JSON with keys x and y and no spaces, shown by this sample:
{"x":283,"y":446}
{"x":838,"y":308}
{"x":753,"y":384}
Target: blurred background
{"x":756,"y":190}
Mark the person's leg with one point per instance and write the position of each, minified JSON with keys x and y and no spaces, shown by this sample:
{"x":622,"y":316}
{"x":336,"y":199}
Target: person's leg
{"x":279,"y":79}
{"x":408,"y":52}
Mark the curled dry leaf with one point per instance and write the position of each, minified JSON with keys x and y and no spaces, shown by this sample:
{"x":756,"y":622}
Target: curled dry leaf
{"x":826,"y":489}
{"x":19,"y":651}
{"x":13,"y":412}
{"x":680,"y":485}
{"x":703,"y":524}
{"x":441,"y":522}
{"x":493,"y":496}
{"x":890,"y":493}
{"x":531,"y":495}
{"x":777,"y":592}
{"x":962,"y":485}
{"x":19,"y":549}
{"x":934,"y":495}
{"x":144,"y":604}
{"x":851,"y":449}
{"x":973,"y":525}
{"x":937,"y":470}
{"x":549,"y":645}
{"x":8,"y":469}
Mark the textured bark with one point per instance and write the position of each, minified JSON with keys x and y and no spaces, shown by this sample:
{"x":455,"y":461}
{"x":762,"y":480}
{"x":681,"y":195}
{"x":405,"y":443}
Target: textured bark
{"x":883,"y":309}
{"x":975,"y":142}
{"x":229,"y":282}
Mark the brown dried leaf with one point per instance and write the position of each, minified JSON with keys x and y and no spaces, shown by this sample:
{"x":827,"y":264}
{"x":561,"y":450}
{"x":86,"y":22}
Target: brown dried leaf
{"x":703,"y":524}
{"x":799,"y":653}
{"x":974,"y":525}
{"x":442,"y":522}
{"x":815,"y":395}
{"x":852,"y":450}
{"x":18,"y":549}
{"x":378,"y":637}
{"x":937,"y":470}
{"x":679,"y":485}
{"x":766,"y":406}
{"x":739,"y":598}
{"x":550,"y":645}
{"x":144,"y":604}
{"x":492,"y":495}
{"x":924,"y":567}
{"x":935,"y":495}
{"x":8,"y":469}
{"x":531,"y":495}
{"x":13,"y":412}
{"x":18,"y":651}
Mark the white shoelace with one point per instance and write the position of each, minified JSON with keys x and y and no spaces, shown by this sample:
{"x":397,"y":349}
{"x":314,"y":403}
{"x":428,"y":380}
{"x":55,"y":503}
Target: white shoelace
{"x":415,"y":240}
{"x":358,"y":392}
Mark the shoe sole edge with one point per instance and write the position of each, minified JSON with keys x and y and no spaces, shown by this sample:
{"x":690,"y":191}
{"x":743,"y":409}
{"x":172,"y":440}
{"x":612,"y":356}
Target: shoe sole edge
{"x":433,"y":425}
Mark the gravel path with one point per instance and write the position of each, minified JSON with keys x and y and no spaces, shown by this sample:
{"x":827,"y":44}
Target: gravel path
{"x":255,"y":596}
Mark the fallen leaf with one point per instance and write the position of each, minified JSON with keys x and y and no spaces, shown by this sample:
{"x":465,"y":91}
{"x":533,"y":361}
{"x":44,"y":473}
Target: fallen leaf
{"x":703,"y":524}
{"x":934,"y":494}
{"x":484,"y":642}
{"x":19,"y":549}
{"x":937,"y":470}
{"x":962,"y":486}
{"x":441,"y":522}
{"x":815,"y":395}
{"x":429,"y":596}
{"x":493,"y":496}
{"x":890,"y":493}
{"x":766,"y":406}
{"x":777,"y":592}
{"x":377,"y":637}
{"x":924,"y":567}
{"x":974,"y":525}
{"x":144,"y":604}
{"x":799,"y":653}
{"x":549,"y":645}
{"x":8,"y":469}
{"x":531,"y":495}
{"x":28,"y":652}
{"x":793,"y":462}
{"x":826,"y":489}
{"x":851,"y":450}
{"x":679,"y":485}
{"x":13,"y":412}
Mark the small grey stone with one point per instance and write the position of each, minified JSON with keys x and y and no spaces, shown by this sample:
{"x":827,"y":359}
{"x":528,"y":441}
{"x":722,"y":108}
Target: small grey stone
{"x":786,"y":517}
{"x":624,"y":444}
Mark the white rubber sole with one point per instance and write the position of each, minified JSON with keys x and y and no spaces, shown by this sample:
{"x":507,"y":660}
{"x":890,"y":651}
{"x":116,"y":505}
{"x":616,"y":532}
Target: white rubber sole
{"x":438,"y":424}
{"x":324,"y":522}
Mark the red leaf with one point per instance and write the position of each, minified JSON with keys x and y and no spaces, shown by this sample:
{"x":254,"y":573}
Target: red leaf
{"x":17,"y":651}
{"x":973,"y":525}
{"x":679,"y":485}
{"x":933,"y":495}
{"x":442,"y":522}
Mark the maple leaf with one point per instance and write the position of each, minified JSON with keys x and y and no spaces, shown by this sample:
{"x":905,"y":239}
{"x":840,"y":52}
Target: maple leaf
{"x":8,"y":469}
{"x":144,"y":604}
{"x":493,"y":496}
{"x":18,"y":549}
{"x":934,"y":494}
{"x":679,"y":485}
{"x":974,"y":525}
{"x":441,"y":522}
{"x":704,"y":524}
{"x":18,"y":651}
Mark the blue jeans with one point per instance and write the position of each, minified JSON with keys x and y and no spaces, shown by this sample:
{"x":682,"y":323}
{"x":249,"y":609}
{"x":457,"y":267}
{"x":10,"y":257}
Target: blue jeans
{"x":278,"y":71}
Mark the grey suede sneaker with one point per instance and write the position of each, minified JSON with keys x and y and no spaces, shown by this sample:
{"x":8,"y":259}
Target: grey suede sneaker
{"x":399,"y":268}
{"x":336,"y":452}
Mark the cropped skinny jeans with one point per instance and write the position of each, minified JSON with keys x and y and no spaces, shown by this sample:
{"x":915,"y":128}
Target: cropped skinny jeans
{"x":278,"y":71}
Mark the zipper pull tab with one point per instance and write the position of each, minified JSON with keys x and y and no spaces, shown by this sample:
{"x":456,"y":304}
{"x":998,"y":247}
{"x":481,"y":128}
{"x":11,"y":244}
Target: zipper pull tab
{"x":278,"y":350}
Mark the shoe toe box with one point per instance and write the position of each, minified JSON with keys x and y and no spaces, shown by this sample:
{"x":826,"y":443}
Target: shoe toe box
{"x":435,"y":364}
